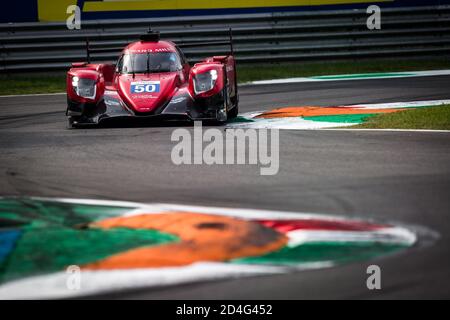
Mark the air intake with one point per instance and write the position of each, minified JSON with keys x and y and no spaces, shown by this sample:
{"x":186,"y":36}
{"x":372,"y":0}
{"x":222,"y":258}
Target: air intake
{"x":150,"y":36}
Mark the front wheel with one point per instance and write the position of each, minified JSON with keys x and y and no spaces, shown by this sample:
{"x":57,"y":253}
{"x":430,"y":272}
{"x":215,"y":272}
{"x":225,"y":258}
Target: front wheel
{"x":233,"y":113}
{"x":72,"y":122}
{"x":222,"y":112}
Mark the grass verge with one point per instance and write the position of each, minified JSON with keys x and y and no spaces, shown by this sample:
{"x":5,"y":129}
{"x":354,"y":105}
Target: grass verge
{"x":51,"y":83}
{"x":32,"y":84}
{"x":432,"y":118}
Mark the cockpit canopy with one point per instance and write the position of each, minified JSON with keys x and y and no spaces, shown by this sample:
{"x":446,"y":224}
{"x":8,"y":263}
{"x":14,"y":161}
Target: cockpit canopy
{"x":149,"y":62}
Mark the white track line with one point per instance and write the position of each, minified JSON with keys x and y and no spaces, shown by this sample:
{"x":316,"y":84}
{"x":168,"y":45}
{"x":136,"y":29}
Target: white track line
{"x":395,"y":105}
{"x":33,"y":95}
{"x":385,"y":130}
{"x":352,"y":77}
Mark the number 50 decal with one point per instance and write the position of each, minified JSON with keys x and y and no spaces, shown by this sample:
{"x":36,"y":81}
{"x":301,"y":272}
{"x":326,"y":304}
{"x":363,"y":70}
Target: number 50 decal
{"x":145,"y":87}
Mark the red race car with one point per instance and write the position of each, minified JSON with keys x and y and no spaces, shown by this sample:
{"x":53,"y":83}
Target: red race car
{"x":152,"y":79}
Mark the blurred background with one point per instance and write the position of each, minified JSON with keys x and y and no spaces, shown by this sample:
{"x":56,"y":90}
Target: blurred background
{"x":34,"y":34}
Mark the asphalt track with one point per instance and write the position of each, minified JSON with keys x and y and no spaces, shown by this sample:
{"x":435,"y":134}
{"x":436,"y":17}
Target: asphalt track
{"x":389,"y":176}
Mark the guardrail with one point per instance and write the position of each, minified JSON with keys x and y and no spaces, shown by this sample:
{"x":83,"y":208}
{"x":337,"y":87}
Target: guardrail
{"x":274,"y":37}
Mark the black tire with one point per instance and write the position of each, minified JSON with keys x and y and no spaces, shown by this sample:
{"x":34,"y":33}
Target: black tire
{"x":71,"y":122}
{"x":223,"y":107}
{"x":233,"y":113}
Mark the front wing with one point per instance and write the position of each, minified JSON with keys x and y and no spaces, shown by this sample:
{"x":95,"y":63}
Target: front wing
{"x":181,"y":106}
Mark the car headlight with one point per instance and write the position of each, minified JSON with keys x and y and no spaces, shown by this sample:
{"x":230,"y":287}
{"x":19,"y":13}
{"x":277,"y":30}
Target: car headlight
{"x":85,"y":88}
{"x":205,"y":81}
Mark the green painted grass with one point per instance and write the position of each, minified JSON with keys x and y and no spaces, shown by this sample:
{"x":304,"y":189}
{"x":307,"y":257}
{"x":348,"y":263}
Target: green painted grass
{"x":361,"y":76}
{"x":45,"y":250}
{"x":52,"y":83}
{"x":342,"y":118}
{"x":38,"y":213}
{"x":336,"y":252}
{"x":54,"y":235}
{"x":433,"y":118}
{"x":240,"y":119}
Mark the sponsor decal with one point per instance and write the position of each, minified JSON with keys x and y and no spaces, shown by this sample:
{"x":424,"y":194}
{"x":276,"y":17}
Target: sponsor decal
{"x":123,"y":245}
{"x":145,"y":87}
{"x":145,"y":97}
{"x":124,"y":5}
{"x":150,"y":50}
{"x":51,"y":10}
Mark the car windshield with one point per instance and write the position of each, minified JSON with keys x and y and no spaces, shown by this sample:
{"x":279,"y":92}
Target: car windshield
{"x":149,"y":62}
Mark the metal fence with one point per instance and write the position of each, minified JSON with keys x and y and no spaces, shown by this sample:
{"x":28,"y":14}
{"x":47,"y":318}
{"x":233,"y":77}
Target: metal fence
{"x":274,"y":37}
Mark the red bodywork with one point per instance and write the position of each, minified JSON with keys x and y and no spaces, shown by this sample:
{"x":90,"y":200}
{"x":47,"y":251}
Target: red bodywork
{"x":172,"y":93}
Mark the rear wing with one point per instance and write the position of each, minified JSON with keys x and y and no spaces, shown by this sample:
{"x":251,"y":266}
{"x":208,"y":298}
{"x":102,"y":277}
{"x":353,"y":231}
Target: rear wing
{"x":154,"y":36}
